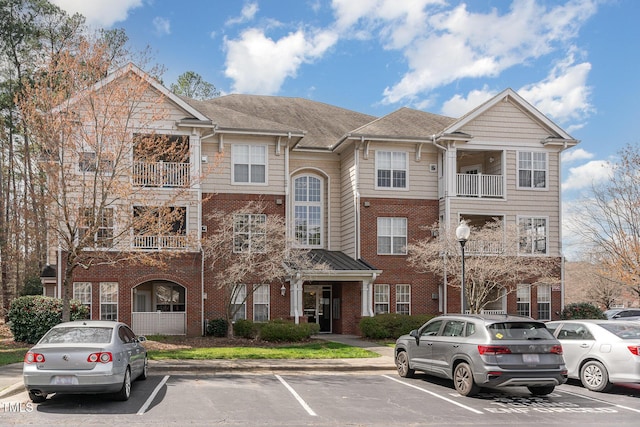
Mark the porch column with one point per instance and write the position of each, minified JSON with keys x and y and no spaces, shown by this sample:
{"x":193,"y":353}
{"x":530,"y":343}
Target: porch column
{"x":295,"y":298}
{"x":367,"y":298}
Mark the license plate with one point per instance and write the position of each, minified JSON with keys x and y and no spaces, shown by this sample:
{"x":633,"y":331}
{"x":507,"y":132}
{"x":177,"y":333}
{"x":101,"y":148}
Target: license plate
{"x":531,"y":358}
{"x":64,"y":380}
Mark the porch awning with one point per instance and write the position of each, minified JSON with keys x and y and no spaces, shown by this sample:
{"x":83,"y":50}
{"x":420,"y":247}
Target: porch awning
{"x":337,"y":266}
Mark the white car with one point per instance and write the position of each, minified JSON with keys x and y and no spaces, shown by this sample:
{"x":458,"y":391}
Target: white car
{"x":600,"y":353}
{"x":85,"y":356}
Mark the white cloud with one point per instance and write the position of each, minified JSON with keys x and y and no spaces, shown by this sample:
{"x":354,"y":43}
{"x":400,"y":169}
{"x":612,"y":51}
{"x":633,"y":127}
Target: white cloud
{"x":257,"y":64}
{"x":586,"y":175}
{"x":101,"y":13}
{"x":247,"y":14}
{"x":458,"y":105}
{"x":162,"y":25}
{"x":456,"y":43}
{"x":575,"y":154}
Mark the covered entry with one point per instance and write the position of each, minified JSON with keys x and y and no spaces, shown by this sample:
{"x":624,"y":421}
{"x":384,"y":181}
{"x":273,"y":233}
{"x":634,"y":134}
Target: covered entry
{"x":159,"y":308}
{"x":317,"y":306}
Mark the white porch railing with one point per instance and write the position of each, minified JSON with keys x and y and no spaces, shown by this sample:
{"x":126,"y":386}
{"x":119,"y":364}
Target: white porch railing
{"x":161,"y":174}
{"x":489,"y":312}
{"x":480,"y":247}
{"x":479,"y":185}
{"x":159,"y":323}
{"x":159,"y":242}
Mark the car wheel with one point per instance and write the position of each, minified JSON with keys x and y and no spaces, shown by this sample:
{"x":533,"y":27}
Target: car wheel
{"x":402,"y":363}
{"x":541,"y":390}
{"x":37,"y":398}
{"x":594,"y":376}
{"x":125,"y":391}
{"x":463,"y":380}
{"x":145,"y":370}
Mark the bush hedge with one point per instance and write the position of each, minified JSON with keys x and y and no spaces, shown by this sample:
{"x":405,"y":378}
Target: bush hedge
{"x":391,"y":325}
{"x":582,"y":310}
{"x":286,"y":331}
{"x":217,"y":327}
{"x":31,"y":316}
{"x":245,"y":329}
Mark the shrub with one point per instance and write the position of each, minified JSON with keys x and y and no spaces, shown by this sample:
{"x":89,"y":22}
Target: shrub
{"x":582,"y":310}
{"x":245,"y":329}
{"x":32,"y":286}
{"x":285,"y":331}
{"x":390,"y":325}
{"x":217,"y":327}
{"x":32,"y":316}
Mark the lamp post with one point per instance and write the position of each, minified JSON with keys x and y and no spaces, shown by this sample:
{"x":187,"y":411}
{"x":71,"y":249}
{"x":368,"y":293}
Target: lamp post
{"x":462,"y":234}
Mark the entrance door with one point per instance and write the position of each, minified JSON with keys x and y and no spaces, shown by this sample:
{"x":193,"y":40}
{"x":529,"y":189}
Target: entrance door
{"x":317,"y":306}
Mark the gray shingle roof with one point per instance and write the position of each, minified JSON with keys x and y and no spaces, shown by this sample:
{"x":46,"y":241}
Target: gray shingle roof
{"x":405,"y":123}
{"x":337,"y":260}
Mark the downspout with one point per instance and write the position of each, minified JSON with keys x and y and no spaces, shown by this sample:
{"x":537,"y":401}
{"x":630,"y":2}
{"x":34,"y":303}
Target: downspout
{"x":59,"y":279}
{"x":356,"y":164}
{"x":202,"y":296}
{"x":445,"y":195}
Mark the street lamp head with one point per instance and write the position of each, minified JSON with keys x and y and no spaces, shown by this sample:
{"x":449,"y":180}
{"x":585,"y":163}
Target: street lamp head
{"x":463,"y":231}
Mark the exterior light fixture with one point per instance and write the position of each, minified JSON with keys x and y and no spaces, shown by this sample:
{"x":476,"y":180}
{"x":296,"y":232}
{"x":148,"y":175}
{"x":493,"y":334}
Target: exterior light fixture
{"x":283,"y":290}
{"x":462,"y":234}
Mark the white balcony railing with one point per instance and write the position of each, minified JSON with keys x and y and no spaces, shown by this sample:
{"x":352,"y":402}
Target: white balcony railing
{"x":161,"y":174}
{"x":479,"y":185}
{"x":480,"y":247}
{"x":159,"y":242}
{"x":159,"y":323}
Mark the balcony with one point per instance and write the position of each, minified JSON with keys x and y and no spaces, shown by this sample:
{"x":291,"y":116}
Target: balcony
{"x":479,"y":185}
{"x":159,"y":242}
{"x":161,"y":174}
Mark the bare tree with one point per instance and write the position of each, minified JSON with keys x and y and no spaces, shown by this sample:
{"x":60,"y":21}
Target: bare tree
{"x":98,"y":190}
{"x":245,"y":247}
{"x":608,"y":221}
{"x":588,"y":282}
{"x":493,"y":265}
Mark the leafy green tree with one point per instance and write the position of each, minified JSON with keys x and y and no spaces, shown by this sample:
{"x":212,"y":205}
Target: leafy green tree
{"x":192,"y":85}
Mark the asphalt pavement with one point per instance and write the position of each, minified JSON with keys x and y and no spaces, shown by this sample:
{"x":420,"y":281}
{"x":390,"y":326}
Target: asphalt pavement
{"x":11,"y":375}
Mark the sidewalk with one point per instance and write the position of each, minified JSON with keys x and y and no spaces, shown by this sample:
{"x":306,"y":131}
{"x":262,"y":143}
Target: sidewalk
{"x":11,"y":375}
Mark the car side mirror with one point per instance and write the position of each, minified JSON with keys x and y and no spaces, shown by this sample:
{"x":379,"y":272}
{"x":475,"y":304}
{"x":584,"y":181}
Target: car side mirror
{"x":141,"y":339}
{"x":416,"y":335}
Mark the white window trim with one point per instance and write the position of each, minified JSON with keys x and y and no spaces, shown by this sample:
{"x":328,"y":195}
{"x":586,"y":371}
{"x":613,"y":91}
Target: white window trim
{"x":545,"y":301}
{"x":321,"y":205}
{"x":110,"y":302}
{"x":267,"y":303}
{"x":250,"y":233}
{"x":406,"y":232}
{"x":391,"y":187}
{"x":408,"y":303}
{"x":88,"y":304}
{"x":546,"y":235}
{"x":546,"y":170}
{"x":95,"y":245}
{"x":266,"y":165}
{"x":528,"y":301}
{"x":240,"y":299}
{"x":385,"y":291}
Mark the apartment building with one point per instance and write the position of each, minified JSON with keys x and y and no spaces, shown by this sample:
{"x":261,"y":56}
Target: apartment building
{"x":355,"y":189}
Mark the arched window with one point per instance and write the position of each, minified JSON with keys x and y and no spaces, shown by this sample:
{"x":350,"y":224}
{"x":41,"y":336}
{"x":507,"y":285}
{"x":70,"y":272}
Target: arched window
{"x":307,"y":207}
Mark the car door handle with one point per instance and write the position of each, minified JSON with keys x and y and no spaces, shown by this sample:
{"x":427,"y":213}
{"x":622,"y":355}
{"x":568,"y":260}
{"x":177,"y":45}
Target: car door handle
{"x":584,"y":346}
{"x":456,"y":345}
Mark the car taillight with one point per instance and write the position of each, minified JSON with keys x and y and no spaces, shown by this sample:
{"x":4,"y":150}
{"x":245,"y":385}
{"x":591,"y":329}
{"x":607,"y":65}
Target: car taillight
{"x":102,"y":357}
{"x":635,"y":349}
{"x":32,"y":357}
{"x":556,"y":349}
{"x":493,"y":349}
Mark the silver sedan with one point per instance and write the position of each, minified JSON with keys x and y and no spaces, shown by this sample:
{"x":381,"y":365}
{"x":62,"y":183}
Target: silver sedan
{"x":86,"y":356}
{"x":600,"y":353}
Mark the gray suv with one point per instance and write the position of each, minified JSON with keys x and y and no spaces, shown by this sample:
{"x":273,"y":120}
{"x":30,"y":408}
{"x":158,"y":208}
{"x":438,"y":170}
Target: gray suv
{"x":484,"y":351}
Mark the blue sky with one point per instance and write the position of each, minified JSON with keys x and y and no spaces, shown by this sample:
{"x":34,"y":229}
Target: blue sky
{"x":577,"y":61}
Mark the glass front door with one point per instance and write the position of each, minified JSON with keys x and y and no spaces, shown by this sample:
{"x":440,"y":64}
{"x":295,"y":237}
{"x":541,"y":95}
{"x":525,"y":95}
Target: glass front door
{"x":317,"y":306}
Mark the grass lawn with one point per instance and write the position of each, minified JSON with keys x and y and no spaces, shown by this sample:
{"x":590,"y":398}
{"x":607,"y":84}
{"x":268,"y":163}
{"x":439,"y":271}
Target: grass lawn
{"x":316,"y":350}
{"x":11,"y":355}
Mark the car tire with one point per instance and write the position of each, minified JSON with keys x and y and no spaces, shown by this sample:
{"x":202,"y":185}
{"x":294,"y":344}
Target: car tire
{"x":145,"y":370}
{"x":125,"y":391}
{"x":541,"y":390}
{"x":37,"y":398}
{"x":463,"y":380}
{"x":594,"y":376}
{"x":402,"y":363}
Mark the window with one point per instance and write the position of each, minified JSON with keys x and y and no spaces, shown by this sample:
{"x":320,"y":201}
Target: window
{"x":392,"y":236}
{"x":239,"y":304}
{"x":249,"y":164}
{"x":403,"y":299}
{"x":101,"y":226}
{"x":391,"y":169}
{"x":432,"y":329}
{"x":261,"y":297}
{"x":381,"y":299}
{"x":88,"y":162}
{"x":109,"y":301}
{"x":544,"y":302}
{"x":249,"y":233}
{"x":82,"y":292}
{"x":533,"y":239}
{"x":169,"y":297}
{"x":532,"y":170}
{"x":308,"y":211}
{"x":523,"y":298}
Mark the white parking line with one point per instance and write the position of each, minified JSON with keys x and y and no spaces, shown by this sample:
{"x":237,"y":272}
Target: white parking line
{"x":146,"y":405}
{"x":468,"y":408}
{"x":598,"y":400}
{"x":297,"y":396}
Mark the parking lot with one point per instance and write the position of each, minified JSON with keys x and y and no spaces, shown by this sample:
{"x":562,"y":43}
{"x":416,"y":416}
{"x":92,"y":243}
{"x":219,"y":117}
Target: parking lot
{"x":372,"y":399}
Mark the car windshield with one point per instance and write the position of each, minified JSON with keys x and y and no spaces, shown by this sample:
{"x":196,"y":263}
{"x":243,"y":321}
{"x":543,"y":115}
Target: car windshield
{"x":78,"y":335}
{"x":519,"y":331}
{"x":626,"y":331}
